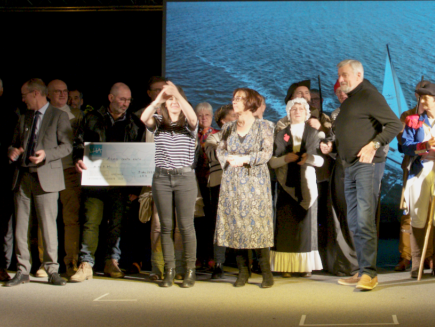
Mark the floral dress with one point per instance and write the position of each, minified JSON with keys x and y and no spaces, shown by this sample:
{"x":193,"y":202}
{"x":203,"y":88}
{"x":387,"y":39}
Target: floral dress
{"x":244,"y":218}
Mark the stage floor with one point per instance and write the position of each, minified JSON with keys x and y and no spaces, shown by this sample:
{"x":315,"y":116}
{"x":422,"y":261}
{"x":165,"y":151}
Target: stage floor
{"x":137,"y":301}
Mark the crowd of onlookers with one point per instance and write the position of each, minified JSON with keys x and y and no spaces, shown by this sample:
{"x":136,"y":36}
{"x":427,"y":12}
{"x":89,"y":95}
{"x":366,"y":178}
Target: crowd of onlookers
{"x":292,"y":196}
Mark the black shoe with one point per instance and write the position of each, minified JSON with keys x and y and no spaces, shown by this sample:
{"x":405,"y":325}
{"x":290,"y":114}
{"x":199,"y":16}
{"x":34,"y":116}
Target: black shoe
{"x":264,"y":261}
{"x":244,"y":269}
{"x":189,"y":278}
{"x":18,"y":279}
{"x":168,"y":280}
{"x":218,"y":271}
{"x":267,"y":280}
{"x":55,"y":279}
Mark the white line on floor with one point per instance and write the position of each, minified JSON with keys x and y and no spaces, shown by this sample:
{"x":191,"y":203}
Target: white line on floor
{"x":99,"y":299}
{"x":395,"y":322}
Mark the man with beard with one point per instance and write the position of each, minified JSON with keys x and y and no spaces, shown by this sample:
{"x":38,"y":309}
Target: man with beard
{"x":107,"y":124}
{"x":365,"y":124}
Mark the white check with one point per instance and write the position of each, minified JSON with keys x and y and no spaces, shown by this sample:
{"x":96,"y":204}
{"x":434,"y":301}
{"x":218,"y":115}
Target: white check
{"x":118,"y":164}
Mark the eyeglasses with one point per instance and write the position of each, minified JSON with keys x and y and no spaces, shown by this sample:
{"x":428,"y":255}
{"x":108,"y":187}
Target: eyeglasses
{"x":297,"y":109}
{"x":238,"y":99}
{"x":125,"y":100}
{"x":23,"y":95}
{"x":60,"y":91}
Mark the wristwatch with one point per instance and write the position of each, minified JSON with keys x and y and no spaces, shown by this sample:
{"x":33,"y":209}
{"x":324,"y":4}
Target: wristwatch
{"x":376,"y":145}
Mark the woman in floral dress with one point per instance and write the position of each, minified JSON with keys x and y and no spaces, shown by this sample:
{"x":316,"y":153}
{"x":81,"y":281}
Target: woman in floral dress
{"x":244,"y":218}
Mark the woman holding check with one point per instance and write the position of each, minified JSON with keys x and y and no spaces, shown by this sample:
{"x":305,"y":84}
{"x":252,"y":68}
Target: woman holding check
{"x":174,"y":183}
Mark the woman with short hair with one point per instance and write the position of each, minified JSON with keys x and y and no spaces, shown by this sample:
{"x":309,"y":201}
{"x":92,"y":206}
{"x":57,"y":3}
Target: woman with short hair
{"x":204,"y":227}
{"x":244,"y":218}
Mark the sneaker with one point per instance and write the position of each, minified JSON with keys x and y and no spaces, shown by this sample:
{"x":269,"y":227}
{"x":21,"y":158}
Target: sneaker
{"x":112,"y":269}
{"x":403,"y":265}
{"x":41,"y":273}
{"x":350,"y":281}
{"x":367,"y":283}
{"x":4,"y":276}
{"x":83,"y":273}
{"x":71,"y":269}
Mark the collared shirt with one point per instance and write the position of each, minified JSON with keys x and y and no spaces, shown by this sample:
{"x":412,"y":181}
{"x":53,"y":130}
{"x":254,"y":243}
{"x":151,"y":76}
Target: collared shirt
{"x":122,"y":118}
{"x":41,"y":117}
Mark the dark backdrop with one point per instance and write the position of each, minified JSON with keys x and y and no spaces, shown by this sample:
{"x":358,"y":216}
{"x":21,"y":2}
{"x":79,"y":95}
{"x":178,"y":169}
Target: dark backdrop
{"x":88,"y":50}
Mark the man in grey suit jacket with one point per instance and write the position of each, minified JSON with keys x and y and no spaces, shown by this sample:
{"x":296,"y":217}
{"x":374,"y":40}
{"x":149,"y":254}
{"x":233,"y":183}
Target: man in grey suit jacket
{"x":42,"y":137}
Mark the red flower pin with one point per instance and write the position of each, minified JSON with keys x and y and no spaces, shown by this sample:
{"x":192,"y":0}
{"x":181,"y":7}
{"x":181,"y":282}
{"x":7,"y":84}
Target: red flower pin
{"x":286,"y":137}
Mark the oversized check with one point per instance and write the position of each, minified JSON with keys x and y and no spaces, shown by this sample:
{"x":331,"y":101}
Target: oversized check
{"x":116,"y":164}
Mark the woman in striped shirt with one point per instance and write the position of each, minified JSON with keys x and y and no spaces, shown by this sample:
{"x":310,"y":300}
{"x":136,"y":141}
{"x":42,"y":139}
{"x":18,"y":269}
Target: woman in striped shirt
{"x":174,"y":182}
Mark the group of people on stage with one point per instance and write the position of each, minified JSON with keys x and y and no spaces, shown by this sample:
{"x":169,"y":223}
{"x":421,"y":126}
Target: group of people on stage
{"x":303,"y":193}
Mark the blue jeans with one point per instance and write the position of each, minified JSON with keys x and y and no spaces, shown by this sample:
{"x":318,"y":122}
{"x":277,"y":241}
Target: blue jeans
{"x":96,"y":202}
{"x":362,"y":184}
{"x":180,"y":190}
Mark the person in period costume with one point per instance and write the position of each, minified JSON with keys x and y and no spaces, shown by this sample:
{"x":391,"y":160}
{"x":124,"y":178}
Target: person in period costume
{"x":418,"y":142}
{"x":295,"y":156}
{"x":244,"y":218}
{"x":405,"y":221}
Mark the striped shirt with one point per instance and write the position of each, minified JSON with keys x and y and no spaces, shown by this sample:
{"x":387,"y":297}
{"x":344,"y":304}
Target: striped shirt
{"x":175,"y":146}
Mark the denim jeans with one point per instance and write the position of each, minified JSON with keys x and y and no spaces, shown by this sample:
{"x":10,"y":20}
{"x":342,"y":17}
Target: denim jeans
{"x":362,"y":185}
{"x":178,"y":189}
{"x":96,"y":202}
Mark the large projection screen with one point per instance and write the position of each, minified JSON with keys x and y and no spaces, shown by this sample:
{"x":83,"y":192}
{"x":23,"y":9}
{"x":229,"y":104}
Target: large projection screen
{"x":214,"y":47}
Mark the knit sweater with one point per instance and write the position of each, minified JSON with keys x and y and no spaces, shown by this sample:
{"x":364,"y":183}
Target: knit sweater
{"x":364,"y":117}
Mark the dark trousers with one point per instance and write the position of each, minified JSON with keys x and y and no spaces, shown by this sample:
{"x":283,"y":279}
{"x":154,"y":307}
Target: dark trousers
{"x":179,"y":190}
{"x":219,"y":251}
{"x":6,"y":236}
{"x":362,"y":183}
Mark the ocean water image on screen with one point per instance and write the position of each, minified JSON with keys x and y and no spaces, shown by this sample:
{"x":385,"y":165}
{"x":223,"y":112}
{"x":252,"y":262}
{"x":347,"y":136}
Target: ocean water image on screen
{"x":214,"y":47}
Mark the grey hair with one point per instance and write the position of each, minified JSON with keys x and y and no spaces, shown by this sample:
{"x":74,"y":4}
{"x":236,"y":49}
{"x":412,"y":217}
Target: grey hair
{"x":355,"y":64}
{"x":38,"y":85}
{"x":204,"y":106}
{"x":301,"y":101}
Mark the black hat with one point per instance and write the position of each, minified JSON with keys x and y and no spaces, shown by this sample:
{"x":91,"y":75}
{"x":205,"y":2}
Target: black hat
{"x":426,"y":88}
{"x":294,"y":86}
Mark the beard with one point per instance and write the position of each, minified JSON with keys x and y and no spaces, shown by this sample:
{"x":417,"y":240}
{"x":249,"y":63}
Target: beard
{"x":345,"y":87}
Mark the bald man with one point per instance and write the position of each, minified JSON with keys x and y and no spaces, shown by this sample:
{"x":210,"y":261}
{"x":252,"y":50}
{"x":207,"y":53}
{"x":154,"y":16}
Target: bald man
{"x":110,"y":124}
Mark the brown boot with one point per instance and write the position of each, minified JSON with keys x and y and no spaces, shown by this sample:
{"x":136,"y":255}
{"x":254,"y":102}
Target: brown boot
{"x":417,"y":242}
{"x":112,"y":269}
{"x":403,"y":265}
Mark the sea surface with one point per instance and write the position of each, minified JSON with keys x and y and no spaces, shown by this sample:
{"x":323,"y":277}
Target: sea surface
{"x":213,"y":48}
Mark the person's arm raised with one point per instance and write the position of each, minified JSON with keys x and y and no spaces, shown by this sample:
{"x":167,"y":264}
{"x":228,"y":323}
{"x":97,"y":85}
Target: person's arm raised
{"x":147,"y":115}
{"x":171,"y":90}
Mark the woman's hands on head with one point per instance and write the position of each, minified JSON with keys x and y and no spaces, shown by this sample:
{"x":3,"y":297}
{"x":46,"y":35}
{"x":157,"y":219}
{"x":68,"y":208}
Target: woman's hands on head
{"x":168,"y":90}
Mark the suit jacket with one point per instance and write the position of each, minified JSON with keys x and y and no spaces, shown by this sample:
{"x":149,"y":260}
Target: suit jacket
{"x":54,"y":137}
